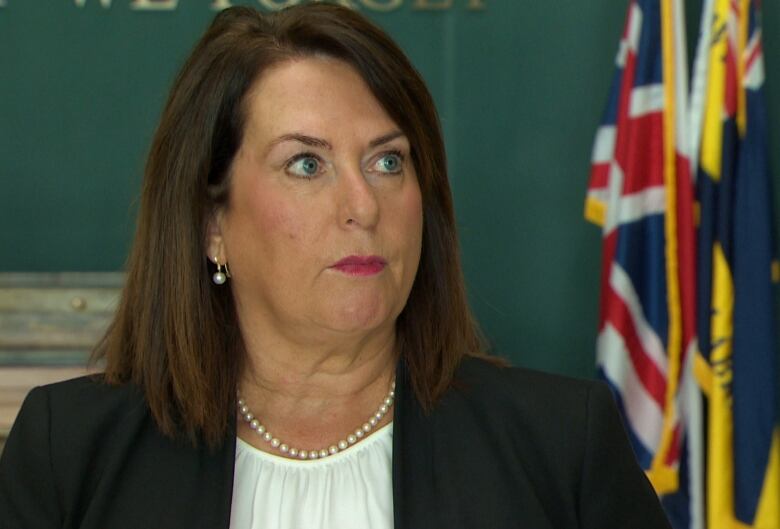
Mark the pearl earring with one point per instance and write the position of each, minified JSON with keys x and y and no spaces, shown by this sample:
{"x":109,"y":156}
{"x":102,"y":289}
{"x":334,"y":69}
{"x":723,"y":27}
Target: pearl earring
{"x":219,"y":276}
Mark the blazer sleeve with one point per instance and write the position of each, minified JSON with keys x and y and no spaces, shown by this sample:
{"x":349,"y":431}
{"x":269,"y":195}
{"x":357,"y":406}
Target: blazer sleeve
{"x":614,"y":492}
{"x":28,"y":498}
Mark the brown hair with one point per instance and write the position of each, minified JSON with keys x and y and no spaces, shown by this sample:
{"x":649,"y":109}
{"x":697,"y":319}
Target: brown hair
{"x":175,"y":334}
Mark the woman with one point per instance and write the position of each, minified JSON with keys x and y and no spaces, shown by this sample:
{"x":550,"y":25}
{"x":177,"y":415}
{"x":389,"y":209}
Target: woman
{"x":296,"y":247}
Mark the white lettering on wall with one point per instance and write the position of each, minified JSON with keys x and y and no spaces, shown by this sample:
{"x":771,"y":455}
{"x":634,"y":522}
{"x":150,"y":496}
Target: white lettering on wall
{"x":384,"y":5}
{"x":432,"y":4}
{"x":219,"y":5}
{"x":276,"y":5}
{"x":153,"y":5}
{"x":105,"y":3}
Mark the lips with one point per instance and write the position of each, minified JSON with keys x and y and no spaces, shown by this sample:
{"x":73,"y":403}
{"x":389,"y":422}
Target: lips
{"x":358,"y":265}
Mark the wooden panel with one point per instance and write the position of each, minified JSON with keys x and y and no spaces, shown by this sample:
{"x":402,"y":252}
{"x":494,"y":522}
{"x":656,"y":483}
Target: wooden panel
{"x":54,"y":318}
{"x":37,"y":330}
{"x":47,"y":299}
{"x":61,"y":279}
{"x":44,"y":357}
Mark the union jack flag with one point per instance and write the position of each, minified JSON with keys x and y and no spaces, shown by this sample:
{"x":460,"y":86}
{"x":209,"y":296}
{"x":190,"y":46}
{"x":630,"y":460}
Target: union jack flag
{"x":641,"y":194}
{"x":719,"y":469}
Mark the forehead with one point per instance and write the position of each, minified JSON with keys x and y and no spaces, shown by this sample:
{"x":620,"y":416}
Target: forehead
{"x":317,"y":94}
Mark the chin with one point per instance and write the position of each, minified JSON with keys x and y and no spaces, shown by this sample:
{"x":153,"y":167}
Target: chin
{"x":360,"y":317}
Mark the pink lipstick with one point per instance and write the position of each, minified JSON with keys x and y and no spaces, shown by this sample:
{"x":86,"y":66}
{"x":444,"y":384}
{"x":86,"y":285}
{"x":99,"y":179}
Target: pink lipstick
{"x":358,"y":265}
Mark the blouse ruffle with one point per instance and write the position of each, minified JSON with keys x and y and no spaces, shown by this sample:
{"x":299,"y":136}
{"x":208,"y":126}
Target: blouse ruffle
{"x":349,"y":490}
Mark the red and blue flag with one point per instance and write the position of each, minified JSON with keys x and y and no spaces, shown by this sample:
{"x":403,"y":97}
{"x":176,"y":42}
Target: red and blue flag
{"x":641,"y":194}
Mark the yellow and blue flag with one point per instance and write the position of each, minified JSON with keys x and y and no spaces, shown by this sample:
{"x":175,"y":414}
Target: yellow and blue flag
{"x":736,"y":323}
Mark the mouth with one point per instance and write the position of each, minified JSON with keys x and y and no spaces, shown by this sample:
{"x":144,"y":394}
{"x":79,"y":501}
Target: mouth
{"x":359,"y":265}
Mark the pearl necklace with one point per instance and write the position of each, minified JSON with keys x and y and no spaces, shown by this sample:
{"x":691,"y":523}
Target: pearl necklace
{"x":290,"y":451}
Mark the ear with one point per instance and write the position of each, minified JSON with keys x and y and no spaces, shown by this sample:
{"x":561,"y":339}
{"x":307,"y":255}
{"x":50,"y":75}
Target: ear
{"x":215,"y":243}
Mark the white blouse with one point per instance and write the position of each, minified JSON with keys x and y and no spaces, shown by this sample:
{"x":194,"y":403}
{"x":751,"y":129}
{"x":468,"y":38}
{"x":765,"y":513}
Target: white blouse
{"x":349,"y":490}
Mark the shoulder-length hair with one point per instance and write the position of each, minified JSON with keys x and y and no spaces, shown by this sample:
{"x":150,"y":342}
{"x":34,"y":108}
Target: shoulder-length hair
{"x":175,"y":334}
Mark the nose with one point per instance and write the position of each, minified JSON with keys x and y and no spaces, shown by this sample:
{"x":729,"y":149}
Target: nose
{"x":359,"y":203}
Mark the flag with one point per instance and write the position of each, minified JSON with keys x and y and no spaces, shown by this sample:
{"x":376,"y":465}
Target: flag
{"x":641,"y":194}
{"x":737,"y":368}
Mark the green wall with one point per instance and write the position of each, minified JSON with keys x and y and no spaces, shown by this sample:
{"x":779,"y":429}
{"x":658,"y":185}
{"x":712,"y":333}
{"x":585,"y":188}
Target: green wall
{"x":520,"y":88}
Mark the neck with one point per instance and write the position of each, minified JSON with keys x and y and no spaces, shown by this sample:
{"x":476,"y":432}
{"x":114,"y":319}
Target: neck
{"x":314,"y":395}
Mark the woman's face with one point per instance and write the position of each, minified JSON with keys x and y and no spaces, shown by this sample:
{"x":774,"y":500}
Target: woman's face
{"x":324,"y":226}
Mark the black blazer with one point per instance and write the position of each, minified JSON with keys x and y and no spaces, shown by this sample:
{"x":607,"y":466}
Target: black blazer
{"x":506,"y":448}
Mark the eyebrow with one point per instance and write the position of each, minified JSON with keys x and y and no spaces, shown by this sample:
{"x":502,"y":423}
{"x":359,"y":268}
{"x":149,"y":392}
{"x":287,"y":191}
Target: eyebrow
{"x":319,"y":142}
{"x":386,"y":138}
{"x":302,"y":138}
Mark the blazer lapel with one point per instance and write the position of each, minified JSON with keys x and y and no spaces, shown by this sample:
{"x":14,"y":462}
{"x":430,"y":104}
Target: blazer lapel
{"x":457,"y":466}
{"x":412,"y":458}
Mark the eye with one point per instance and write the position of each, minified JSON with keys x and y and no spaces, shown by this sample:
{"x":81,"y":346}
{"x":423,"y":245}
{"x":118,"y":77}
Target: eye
{"x":304,"y":165}
{"x":390,"y":163}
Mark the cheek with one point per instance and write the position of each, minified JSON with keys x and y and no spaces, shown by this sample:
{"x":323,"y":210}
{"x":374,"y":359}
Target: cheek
{"x":263,"y":226}
{"x":413,"y":214}
{"x":281,"y":222}
{"x":272,"y":216}
{"x":407,"y":234}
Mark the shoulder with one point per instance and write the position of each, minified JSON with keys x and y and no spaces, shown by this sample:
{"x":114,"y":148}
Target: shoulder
{"x":76,"y":406}
{"x":544,"y":419}
{"x":85,"y":447}
{"x":82,"y":420}
{"x":481,"y":371}
{"x":566,"y":435}
{"x":87,"y":388}
{"x":529,"y":392}
{"x":62,"y":435}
